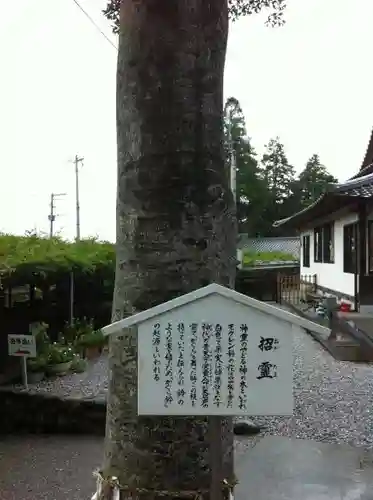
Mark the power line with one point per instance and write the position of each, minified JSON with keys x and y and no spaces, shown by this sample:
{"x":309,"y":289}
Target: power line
{"x":95,"y":24}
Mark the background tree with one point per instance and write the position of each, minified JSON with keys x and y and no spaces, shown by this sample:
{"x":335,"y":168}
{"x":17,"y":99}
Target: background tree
{"x":276,"y":171}
{"x":313,"y":181}
{"x":279,"y":177}
{"x":252,"y":192}
{"x":175,"y":215}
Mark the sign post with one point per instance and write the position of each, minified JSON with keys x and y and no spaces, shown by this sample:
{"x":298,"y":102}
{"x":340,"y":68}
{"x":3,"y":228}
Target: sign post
{"x":216,"y":463}
{"x":22,"y":346}
{"x":214,"y":352}
{"x":24,"y":372}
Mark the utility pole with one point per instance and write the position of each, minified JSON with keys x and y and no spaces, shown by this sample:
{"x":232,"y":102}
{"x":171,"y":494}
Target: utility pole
{"x":76,"y":162}
{"x":233,"y":166}
{"x":52,"y":216}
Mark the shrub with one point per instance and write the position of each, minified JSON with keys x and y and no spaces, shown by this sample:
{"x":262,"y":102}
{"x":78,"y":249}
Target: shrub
{"x":29,"y":256}
{"x":78,"y":329}
{"x":58,"y":353}
{"x":39,"y":330}
{"x":37,"y":364}
{"x":92,"y":339}
{"x":79,"y":365}
{"x":251,"y":258}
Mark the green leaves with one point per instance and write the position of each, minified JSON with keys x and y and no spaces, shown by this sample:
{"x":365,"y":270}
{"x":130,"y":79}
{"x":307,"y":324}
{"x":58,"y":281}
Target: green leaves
{"x":268,"y":190}
{"x":313,"y":181}
{"x":237,"y":8}
{"x":31,"y":255}
{"x":111,"y":12}
{"x":276,"y":170}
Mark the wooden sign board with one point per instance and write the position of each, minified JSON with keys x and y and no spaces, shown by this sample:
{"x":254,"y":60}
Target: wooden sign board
{"x":214,"y":352}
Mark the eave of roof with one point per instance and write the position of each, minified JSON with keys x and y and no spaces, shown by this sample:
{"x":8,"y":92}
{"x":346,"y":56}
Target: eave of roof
{"x":367,"y":164}
{"x":357,"y":186}
{"x":368,"y":159}
{"x":338,"y":196}
{"x":326,"y":204}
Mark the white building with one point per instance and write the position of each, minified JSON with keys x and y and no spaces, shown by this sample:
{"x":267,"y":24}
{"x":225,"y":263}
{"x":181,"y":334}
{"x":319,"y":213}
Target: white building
{"x":336,"y":237}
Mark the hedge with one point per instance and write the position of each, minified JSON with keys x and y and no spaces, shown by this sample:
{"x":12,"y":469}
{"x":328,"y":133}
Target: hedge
{"x":26,"y":257}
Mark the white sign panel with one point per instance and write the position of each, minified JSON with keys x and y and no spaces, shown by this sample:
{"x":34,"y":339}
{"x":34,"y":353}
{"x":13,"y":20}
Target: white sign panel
{"x":22,"y":345}
{"x":215,"y":356}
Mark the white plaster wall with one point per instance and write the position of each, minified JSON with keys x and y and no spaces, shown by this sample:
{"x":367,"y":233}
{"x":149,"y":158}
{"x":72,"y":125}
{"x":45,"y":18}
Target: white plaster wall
{"x":331,"y":275}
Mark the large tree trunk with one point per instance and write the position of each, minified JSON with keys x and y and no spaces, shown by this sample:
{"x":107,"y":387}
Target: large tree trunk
{"x":176,"y":227}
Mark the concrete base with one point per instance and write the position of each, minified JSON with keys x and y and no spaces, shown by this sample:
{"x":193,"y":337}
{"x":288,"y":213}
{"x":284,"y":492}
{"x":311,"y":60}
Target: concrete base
{"x":366,"y":310}
{"x":347,"y":351}
{"x":279,"y":468}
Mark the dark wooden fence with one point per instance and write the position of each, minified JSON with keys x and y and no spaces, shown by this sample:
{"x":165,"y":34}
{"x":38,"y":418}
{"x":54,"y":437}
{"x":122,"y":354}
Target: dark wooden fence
{"x":262,"y":284}
{"x":295,"y":289}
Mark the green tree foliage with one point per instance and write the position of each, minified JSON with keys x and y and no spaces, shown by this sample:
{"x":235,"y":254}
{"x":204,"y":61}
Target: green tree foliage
{"x":279,"y":177}
{"x":269,"y":190}
{"x":27,"y":256}
{"x":252,"y":191}
{"x":237,"y":8}
{"x":276,"y":171}
{"x":313,"y":181}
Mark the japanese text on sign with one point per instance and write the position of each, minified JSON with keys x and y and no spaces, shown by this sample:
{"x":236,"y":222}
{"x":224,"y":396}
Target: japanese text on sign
{"x":22,"y":345}
{"x":211,"y":368}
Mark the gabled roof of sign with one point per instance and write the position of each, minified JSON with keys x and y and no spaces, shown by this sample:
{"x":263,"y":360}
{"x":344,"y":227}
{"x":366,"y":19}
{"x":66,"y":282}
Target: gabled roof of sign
{"x":338,"y":195}
{"x":213,"y":289}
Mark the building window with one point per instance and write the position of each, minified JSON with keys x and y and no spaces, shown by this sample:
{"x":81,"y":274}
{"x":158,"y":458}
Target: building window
{"x":317,"y":246}
{"x":306,"y":250}
{"x":349,"y":248}
{"x":324,"y":243}
{"x":370,"y":246}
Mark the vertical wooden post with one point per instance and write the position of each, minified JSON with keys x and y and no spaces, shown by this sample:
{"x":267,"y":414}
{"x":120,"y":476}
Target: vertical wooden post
{"x":71,"y":298}
{"x":362,"y":253}
{"x":279,"y":290}
{"x":356,"y":270}
{"x":24,"y":371}
{"x":216,"y":458}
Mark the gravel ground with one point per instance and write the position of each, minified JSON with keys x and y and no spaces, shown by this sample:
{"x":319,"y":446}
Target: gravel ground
{"x":333,"y":403}
{"x":92,"y":383}
{"x":333,"y":399}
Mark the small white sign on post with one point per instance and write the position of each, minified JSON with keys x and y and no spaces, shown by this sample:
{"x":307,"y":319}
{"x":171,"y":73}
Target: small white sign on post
{"x":22,"y":346}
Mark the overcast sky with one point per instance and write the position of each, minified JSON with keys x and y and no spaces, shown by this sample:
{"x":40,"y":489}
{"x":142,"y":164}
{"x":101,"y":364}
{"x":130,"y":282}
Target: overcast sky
{"x":309,"y":82}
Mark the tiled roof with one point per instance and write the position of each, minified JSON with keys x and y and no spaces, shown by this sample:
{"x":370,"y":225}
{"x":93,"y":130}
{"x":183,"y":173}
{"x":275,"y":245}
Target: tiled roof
{"x":361,"y":186}
{"x":367,"y":165}
{"x":368,"y":159}
{"x":290,"y":245}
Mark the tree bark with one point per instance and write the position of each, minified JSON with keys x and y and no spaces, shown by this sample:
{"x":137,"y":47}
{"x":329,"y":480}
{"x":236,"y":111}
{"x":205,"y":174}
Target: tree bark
{"x":176,"y":226}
